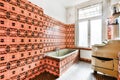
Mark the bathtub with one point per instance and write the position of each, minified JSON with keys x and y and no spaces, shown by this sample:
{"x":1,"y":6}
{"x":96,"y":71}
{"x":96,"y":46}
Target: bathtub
{"x":61,"y":54}
{"x":57,"y":62}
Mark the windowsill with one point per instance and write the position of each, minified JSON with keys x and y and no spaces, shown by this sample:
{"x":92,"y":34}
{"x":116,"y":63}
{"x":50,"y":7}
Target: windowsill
{"x":83,"y":48}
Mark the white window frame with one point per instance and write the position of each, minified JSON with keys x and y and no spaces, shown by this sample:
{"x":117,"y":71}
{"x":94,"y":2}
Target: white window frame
{"x":90,"y":18}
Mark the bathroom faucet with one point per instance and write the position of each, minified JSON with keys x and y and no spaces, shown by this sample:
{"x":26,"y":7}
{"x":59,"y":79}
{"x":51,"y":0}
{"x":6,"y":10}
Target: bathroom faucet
{"x":57,"y":50}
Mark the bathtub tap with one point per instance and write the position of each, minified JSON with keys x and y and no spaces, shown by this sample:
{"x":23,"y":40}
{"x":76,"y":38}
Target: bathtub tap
{"x":57,"y":51}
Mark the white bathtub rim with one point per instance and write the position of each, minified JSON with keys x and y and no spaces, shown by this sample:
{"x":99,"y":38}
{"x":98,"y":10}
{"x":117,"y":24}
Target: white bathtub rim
{"x":60,"y":57}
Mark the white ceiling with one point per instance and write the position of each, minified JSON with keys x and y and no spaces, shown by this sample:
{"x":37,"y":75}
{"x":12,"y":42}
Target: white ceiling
{"x":68,"y":3}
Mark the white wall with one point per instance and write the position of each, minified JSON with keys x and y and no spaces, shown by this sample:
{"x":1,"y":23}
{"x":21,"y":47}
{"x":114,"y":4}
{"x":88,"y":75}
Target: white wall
{"x":52,"y":8}
{"x":87,"y":54}
{"x":114,"y":1}
{"x":71,"y":11}
{"x":70,"y":15}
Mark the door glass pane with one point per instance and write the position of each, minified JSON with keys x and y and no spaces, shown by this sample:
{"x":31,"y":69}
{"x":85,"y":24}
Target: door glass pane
{"x":83,"y":34}
{"x":96,"y":31}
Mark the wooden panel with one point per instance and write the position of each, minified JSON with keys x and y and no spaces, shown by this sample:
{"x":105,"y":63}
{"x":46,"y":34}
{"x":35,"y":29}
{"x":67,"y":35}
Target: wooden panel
{"x":115,"y":64}
{"x":102,"y":63}
{"x":107,"y":71}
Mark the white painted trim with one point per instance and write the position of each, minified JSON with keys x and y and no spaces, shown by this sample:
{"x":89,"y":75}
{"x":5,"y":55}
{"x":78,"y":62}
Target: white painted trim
{"x":88,"y":3}
{"x":105,"y":15}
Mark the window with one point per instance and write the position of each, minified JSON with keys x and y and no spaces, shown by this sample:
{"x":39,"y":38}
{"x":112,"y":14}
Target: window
{"x":91,"y":11}
{"x":96,"y":31}
{"x":83,"y":33}
{"x":89,"y":25}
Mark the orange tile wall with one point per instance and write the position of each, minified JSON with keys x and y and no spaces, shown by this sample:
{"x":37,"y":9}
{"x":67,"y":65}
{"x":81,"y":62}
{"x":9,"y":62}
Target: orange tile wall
{"x":21,"y":40}
{"x":26,"y":34}
{"x":54,"y":34}
{"x":70,"y":36}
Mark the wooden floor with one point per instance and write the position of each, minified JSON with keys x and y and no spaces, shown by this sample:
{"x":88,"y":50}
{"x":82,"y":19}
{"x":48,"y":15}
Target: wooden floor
{"x":79,"y":71}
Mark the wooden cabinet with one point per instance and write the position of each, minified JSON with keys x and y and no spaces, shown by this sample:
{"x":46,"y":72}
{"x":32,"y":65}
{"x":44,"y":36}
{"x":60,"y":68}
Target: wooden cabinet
{"x":116,"y":65}
{"x":105,"y":58}
{"x":103,"y":62}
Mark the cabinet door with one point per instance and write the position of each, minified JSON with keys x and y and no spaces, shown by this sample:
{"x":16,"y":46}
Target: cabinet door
{"x":101,"y":62}
{"x":116,"y":65}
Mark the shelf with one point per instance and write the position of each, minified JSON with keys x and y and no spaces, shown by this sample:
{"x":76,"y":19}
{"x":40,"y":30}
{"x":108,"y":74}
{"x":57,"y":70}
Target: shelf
{"x":118,"y":13}
{"x":113,"y":24}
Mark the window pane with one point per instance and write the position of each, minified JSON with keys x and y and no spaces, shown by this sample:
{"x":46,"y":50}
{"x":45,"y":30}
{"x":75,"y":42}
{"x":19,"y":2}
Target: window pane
{"x":96,"y":31}
{"x":91,"y":11}
{"x":83,"y":34}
